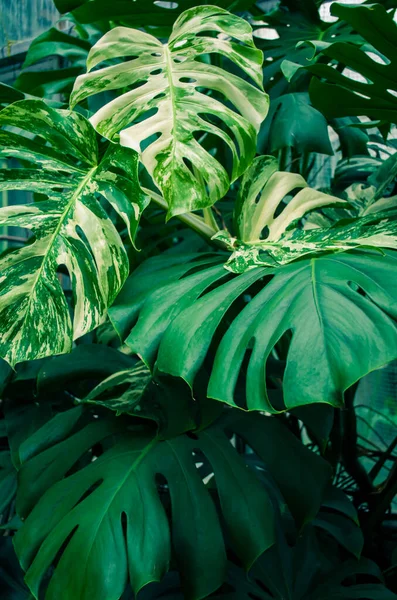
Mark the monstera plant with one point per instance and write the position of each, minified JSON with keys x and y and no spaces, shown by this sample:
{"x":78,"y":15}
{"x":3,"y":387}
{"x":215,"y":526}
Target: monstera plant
{"x":184,"y":329}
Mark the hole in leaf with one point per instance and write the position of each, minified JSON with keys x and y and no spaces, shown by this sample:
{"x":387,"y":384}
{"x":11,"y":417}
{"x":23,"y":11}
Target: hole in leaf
{"x":167,"y":5}
{"x":352,"y":74}
{"x":124,"y":523}
{"x":187,"y":80}
{"x":362,"y":95}
{"x":188,"y":163}
{"x":378,"y":58}
{"x":89,"y":491}
{"x":266,"y":33}
{"x":356,"y":288}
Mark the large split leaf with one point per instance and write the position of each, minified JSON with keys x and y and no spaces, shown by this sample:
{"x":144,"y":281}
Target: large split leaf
{"x":166,"y":99}
{"x":339,"y":309}
{"x":106,"y":523}
{"x":71,"y":228}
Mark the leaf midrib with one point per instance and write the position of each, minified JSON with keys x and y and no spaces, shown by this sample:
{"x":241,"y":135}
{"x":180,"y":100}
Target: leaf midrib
{"x":168,"y":61}
{"x":133,"y":468}
{"x":317,"y":306}
{"x":54,"y":235}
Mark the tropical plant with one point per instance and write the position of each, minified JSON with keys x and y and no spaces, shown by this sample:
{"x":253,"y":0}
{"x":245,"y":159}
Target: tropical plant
{"x":184,"y":332}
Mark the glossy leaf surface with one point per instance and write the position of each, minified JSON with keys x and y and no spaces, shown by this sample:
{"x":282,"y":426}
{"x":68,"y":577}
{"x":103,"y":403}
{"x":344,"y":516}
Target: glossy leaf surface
{"x":170,"y":104}
{"x":71,"y":228}
{"x":86,"y":508}
{"x":339,"y":308}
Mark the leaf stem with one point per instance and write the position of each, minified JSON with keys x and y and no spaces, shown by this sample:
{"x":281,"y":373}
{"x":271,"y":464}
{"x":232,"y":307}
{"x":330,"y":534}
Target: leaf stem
{"x":195,"y":222}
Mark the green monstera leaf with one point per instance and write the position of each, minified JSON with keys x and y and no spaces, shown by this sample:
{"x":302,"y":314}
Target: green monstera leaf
{"x":293,"y":123}
{"x":340,"y":94}
{"x":71,"y":229}
{"x":55,"y":81}
{"x":338,"y":308}
{"x":171,"y":105}
{"x":105,"y":520}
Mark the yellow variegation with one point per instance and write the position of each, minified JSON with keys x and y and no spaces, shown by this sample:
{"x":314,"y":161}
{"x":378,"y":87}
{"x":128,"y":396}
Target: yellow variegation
{"x":71,"y":229}
{"x":167,"y":97}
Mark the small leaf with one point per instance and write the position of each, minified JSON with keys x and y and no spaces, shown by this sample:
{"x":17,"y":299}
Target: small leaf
{"x":262,"y":192}
{"x":293,"y":123}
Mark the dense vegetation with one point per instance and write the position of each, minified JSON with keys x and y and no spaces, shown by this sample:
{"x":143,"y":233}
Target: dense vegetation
{"x":185,"y":329}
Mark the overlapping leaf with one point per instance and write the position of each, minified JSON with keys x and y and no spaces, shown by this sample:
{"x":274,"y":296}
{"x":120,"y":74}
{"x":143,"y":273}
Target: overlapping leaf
{"x":166,"y":99}
{"x":53,"y":81}
{"x":301,"y":21}
{"x":138,"y":13}
{"x":373,"y":93}
{"x":110,"y":510}
{"x":267,"y":205}
{"x":339,"y":308}
{"x":378,"y":230}
{"x":293,"y":123}
{"x":264,"y":191}
{"x":71,"y":228}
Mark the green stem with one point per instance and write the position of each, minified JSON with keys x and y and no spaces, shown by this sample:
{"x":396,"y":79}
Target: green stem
{"x":383,"y":500}
{"x":283,"y":159}
{"x":209,"y":218}
{"x":193,"y":221}
{"x":349,"y":447}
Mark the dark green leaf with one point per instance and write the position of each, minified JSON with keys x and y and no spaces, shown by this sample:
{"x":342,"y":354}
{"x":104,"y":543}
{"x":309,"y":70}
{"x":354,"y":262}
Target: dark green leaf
{"x":340,"y":309}
{"x":293,"y":123}
{"x":341,"y":95}
{"x":91,"y":362}
{"x":87,"y":507}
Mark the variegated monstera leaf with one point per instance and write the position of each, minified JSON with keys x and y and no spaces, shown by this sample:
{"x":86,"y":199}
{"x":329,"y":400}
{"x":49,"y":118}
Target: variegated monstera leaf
{"x":71,"y":228}
{"x":274,"y":227}
{"x":177,"y":97}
